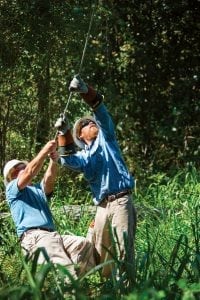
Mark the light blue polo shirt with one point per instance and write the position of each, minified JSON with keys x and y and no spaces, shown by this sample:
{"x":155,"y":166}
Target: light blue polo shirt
{"x":29,"y":207}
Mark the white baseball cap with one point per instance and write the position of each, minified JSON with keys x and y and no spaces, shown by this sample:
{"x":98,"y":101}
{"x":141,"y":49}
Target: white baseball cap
{"x":8,"y":167}
{"x":76,"y":130}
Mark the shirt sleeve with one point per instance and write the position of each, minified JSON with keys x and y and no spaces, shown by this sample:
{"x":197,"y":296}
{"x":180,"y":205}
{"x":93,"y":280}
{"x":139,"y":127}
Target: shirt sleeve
{"x":105,"y":121}
{"x":73,"y":162}
{"x":12,"y":191}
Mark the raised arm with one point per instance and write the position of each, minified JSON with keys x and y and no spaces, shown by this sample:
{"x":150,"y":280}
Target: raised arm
{"x":34,"y":166}
{"x":95,"y":100}
{"x":50,"y":174}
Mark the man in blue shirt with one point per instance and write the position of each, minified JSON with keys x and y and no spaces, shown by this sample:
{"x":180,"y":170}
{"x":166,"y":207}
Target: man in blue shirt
{"x":32,"y":217}
{"x":111,"y":184}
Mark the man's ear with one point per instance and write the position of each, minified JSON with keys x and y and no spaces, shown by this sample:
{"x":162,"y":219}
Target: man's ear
{"x":80,"y":137}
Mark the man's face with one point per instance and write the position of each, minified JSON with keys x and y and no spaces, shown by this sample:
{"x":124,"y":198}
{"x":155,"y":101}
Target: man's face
{"x":17,"y":170}
{"x":88,"y":130}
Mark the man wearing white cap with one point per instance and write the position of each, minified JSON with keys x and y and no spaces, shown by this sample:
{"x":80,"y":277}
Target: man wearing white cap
{"x":111,"y":184}
{"x":32,"y":217}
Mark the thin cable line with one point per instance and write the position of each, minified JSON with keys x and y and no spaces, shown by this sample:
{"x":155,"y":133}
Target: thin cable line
{"x":86,"y":40}
{"x":81,"y":63}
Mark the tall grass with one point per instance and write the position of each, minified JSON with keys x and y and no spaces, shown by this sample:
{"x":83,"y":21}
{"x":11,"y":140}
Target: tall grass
{"x":167,"y":260}
{"x":168,"y":235}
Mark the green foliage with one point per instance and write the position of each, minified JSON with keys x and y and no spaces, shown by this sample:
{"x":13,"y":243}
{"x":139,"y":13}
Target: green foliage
{"x":167,"y":250}
{"x":142,"y":56}
{"x":167,"y":231}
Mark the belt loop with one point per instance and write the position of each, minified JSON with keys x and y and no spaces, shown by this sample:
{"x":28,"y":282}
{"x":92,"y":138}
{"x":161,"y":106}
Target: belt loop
{"x":111,"y":198}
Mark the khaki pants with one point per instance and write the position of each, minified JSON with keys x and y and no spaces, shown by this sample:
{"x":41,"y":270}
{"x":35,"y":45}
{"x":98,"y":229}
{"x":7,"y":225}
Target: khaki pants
{"x":119,"y":217}
{"x":65,"y":250}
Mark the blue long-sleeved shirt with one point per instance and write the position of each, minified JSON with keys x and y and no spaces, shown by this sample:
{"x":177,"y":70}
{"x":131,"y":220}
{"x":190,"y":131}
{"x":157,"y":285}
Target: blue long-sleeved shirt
{"x":101,"y":162}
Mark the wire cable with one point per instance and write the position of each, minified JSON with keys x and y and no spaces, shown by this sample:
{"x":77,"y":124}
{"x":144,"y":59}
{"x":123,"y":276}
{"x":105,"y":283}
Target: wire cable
{"x":81,"y":62}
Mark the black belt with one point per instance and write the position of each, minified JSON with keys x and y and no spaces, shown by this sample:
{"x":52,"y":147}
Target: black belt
{"x":35,"y":228}
{"x":113,"y":197}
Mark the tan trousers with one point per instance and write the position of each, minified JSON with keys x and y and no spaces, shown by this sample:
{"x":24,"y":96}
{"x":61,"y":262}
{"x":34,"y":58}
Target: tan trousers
{"x":114,"y":220}
{"x":65,"y":250}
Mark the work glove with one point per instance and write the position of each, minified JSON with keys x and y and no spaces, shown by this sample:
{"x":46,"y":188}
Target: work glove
{"x":88,"y":94}
{"x":66,"y":145}
{"x":77,"y":85}
{"x":62,"y":124}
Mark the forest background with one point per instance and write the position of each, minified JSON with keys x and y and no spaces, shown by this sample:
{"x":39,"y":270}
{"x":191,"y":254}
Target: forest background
{"x":142,"y":55}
